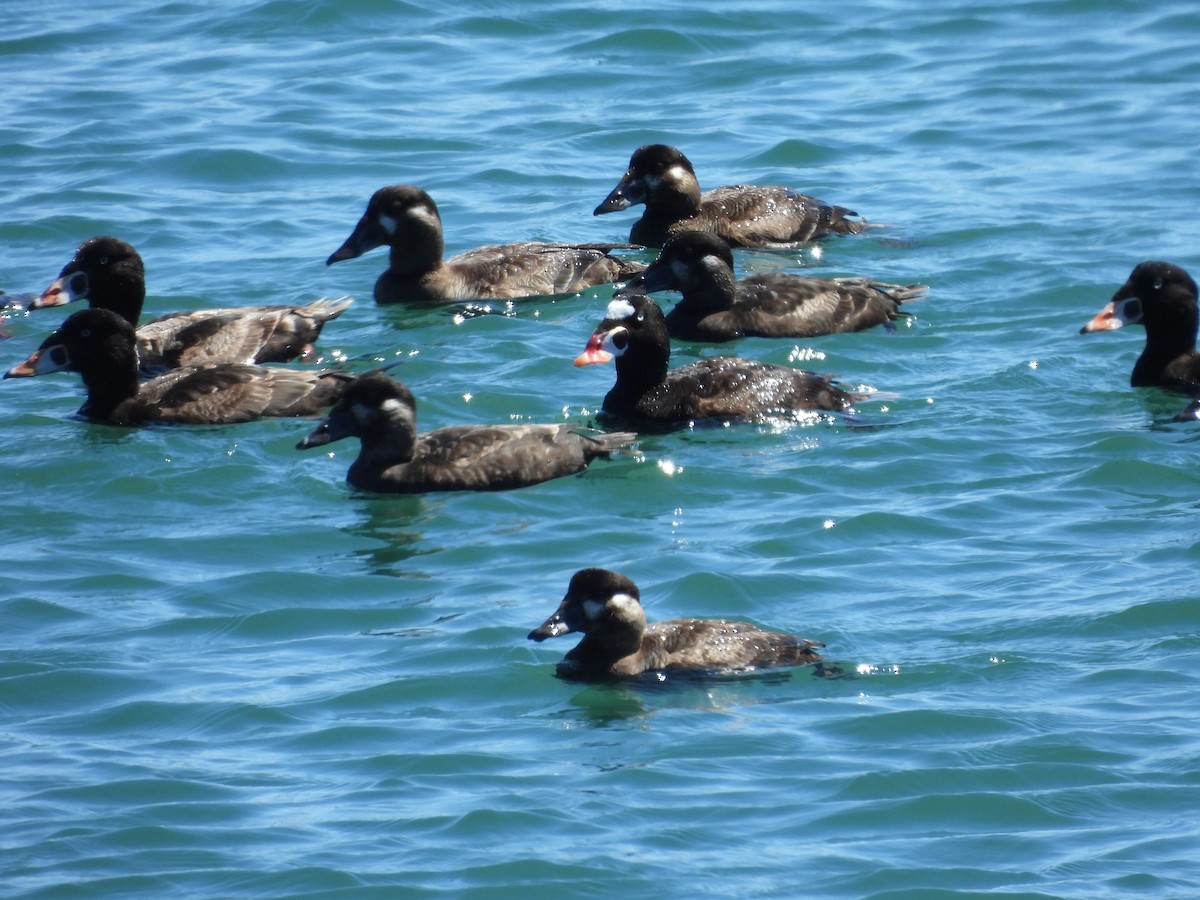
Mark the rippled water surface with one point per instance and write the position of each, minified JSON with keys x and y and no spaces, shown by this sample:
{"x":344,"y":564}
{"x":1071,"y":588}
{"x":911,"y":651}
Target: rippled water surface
{"x":224,"y":673}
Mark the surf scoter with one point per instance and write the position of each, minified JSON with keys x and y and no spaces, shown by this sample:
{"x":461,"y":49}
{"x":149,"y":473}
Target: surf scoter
{"x":1161,"y":297}
{"x":745,"y":215}
{"x":716,"y":307}
{"x":394,"y":458}
{"x":109,"y":274}
{"x":101,"y":347}
{"x":606,"y":608}
{"x":406,"y":219}
{"x":722,"y":388}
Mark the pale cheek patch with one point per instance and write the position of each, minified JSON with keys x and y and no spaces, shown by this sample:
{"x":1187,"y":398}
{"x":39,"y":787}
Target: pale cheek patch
{"x":619,"y":309}
{"x":592,"y":609}
{"x":388,"y":224}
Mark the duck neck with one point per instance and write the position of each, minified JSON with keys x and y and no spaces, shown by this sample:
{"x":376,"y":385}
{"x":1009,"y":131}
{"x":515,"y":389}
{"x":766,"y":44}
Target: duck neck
{"x":110,"y":385}
{"x":122,"y":293}
{"x":418,"y":250}
{"x":1166,"y":341}
{"x":637,"y":375}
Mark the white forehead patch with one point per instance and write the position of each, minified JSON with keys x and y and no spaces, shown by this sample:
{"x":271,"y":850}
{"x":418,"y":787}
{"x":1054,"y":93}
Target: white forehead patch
{"x":619,"y":309}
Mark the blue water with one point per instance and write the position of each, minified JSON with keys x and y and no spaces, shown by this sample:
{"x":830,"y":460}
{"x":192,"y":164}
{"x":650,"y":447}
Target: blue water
{"x":223,"y":673}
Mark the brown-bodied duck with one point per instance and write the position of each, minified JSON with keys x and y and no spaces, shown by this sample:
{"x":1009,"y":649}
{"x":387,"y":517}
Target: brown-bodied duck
{"x":395,"y":458}
{"x":101,"y":347}
{"x":606,"y":608}
{"x":721,"y":388}
{"x":406,"y":220}
{"x":109,"y":274}
{"x":745,"y":215}
{"x":717,"y":307}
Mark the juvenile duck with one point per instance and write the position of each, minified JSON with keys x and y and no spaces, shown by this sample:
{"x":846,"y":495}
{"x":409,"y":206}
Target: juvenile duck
{"x":406,"y":219}
{"x":716,"y":307}
{"x":606,"y":608}
{"x":100,"y":346}
{"x":1161,"y":297}
{"x":721,"y":388}
{"x":745,"y":215}
{"x":109,"y":274}
{"x":394,"y":458}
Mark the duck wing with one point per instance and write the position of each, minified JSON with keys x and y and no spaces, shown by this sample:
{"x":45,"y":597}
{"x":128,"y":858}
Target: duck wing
{"x":249,"y":334}
{"x":534,"y":268}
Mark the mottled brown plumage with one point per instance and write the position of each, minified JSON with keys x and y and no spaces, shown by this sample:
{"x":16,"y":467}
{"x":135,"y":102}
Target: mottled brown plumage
{"x":109,"y":274}
{"x":406,"y":220}
{"x":394,"y":458}
{"x":745,"y":215}
{"x":100,"y":346}
{"x":723,"y":388}
{"x":606,"y":608}
{"x":716,"y":307}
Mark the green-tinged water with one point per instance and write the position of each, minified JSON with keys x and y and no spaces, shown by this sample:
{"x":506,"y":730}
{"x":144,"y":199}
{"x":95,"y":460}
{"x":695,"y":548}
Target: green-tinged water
{"x":224,"y":673}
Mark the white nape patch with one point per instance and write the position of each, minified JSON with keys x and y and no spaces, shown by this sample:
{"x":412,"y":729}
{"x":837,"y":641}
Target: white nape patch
{"x":676,"y":173}
{"x":387,"y":223}
{"x":622,"y":601}
{"x":424,"y":213}
{"x":619,"y":309}
{"x":391,"y":404}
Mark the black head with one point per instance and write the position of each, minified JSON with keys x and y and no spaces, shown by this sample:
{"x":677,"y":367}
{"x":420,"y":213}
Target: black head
{"x":1159,"y":295}
{"x":398,"y":215}
{"x":105,"y":271}
{"x":633,"y":324}
{"x":595,"y":598}
{"x":651,"y":167}
{"x":688,"y":259}
{"x":372,"y":405}
{"x":657,"y":159}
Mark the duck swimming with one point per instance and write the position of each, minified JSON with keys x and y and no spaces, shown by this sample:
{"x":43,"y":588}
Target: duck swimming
{"x":745,"y":215}
{"x":716,"y":307}
{"x":101,"y":347}
{"x":406,"y":219}
{"x":606,"y":608}
{"x":722,"y":388}
{"x":109,"y":274}
{"x":1161,"y":297}
{"x":394,"y":458}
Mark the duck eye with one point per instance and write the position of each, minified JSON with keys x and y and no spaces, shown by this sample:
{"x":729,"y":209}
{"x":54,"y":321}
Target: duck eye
{"x":87,"y":332}
{"x":104,"y":260}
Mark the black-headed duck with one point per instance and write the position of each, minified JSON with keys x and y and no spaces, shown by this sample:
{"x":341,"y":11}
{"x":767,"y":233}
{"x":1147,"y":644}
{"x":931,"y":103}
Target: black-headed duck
{"x":745,"y":215}
{"x":1161,"y":297}
{"x":722,"y":388}
{"x":109,"y":274}
{"x":101,"y":347}
{"x":395,"y":458}
{"x":605,"y":607}
{"x":406,"y":220}
{"x":717,"y":307}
